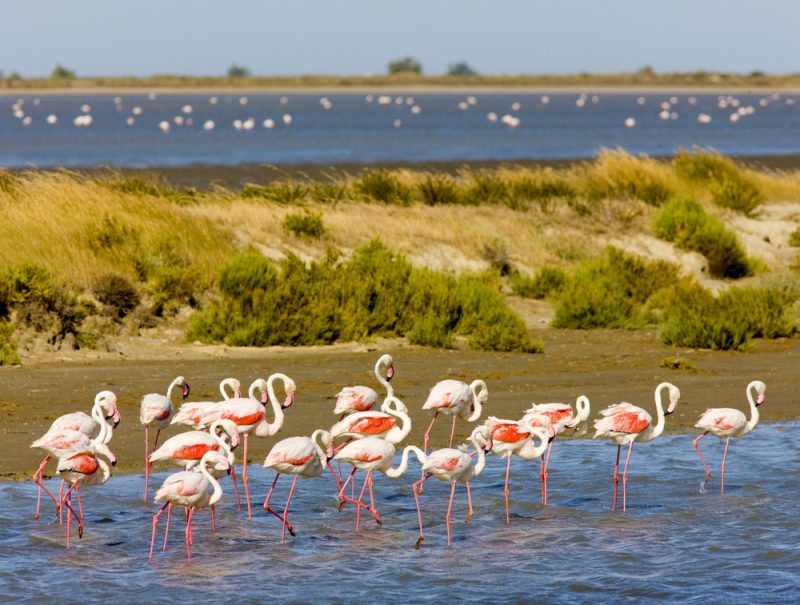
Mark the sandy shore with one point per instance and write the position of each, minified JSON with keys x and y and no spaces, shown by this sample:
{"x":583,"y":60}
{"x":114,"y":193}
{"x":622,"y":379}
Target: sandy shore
{"x":608,"y":366}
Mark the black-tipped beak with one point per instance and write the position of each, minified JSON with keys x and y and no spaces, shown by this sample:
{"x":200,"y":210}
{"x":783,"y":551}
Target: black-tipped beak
{"x":113,"y":463}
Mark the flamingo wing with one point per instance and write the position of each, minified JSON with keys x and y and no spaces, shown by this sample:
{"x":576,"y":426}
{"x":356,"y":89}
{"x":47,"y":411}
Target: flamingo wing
{"x":721,"y":420}
{"x":355,"y":399}
{"x":448,"y":395}
{"x":290,"y":453}
{"x":447,"y":463}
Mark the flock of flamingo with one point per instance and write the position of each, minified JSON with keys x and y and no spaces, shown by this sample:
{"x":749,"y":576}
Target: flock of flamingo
{"x":364,"y":438}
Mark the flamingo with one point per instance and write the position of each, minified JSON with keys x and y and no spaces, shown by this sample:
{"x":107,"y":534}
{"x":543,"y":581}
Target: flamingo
{"x":559,"y":417}
{"x":362,"y":399}
{"x":370,"y":454}
{"x":249,"y":414}
{"x":506,"y":437}
{"x":156,"y":410}
{"x":453,"y":465}
{"x":191,"y":413}
{"x":301,"y":457}
{"x":81,"y":468}
{"x":727,"y":423}
{"x":456,"y":399}
{"x":104,"y":409}
{"x":626,"y":423}
{"x":189,"y":489}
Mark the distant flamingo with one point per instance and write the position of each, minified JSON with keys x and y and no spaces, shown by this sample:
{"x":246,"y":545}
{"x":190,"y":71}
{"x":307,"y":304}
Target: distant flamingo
{"x":626,"y":423}
{"x":370,"y":454}
{"x":249,"y":414}
{"x":727,"y":423}
{"x":505,"y":438}
{"x":81,"y":468}
{"x":156,"y":410}
{"x":362,"y":399}
{"x":559,"y":417}
{"x":453,"y":465}
{"x":190,"y":489}
{"x":301,"y":457}
{"x":457,"y":399}
{"x":104,"y":410}
{"x":190,"y":413}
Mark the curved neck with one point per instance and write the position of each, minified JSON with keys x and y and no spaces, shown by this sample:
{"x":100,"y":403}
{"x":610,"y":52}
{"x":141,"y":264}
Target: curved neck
{"x":384,"y":382}
{"x":401,"y":432}
{"x":321,"y":440}
{"x":104,"y":467}
{"x":224,"y":446}
{"x":531,"y":452}
{"x":477,"y":388}
{"x":754,"y":416}
{"x":232,"y":383}
{"x":481,"y":463}
{"x":660,"y":422}
{"x":172,"y":385}
{"x":277,"y":409}
{"x":217,"y":493}
{"x":106,"y":432}
{"x":394,"y":473}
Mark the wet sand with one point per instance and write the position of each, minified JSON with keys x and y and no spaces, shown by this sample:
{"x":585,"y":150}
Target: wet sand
{"x":607,"y":366}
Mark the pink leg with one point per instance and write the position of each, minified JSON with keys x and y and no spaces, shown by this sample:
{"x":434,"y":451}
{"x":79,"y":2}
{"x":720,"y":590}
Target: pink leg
{"x":449,"y":509}
{"x":78,"y":493}
{"x":189,"y":535}
{"x":37,"y":479}
{"x":213,"y":520}
{"x":361,"y":501}
{"x":269,"y":509}
{"x":427,"y":437}
{"x":616,"y":480}
{"x":372,"y":507}
{"x":722,"y":468}
{"x":286,"y":511}
{"x":415,"y":487}
{"x":545,"y":473}
{"x":625,"y":478}
{"x":244,"y":478}
{"x":696,"y":444}
{"x":146,"y":460}
{"x":66,"y":502}
{"x":236,"y":488}
{"x":336,"y":477}
{"x":169,"y":519}
{"x":470,"y":512}
{"x":155,"y":526}
{"x":452,"y":432}
{"x":342,"y":498}
{"x":60,"y":498}
{"x":505,"y":489}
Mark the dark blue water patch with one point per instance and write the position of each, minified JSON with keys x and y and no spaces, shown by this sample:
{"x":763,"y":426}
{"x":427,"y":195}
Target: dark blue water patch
{"x":354,"y":130}
{"x":673,"y":543}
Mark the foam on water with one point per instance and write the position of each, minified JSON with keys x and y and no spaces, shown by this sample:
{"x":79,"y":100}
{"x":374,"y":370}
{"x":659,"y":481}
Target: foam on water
{"x":673,"y":544}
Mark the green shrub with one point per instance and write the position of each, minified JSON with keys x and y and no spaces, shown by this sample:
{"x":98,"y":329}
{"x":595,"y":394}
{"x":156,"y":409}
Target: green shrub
{"x":693,"y":317}
{"x":620,"y":175}
{"x":111,"y":234}
{"x":8,"y":347}
{"x":542,"y":186}
{"x":383,"y":186}
{"x":9,"y":182}
{"x":736,"y":192}
{"x":794,"y":238}
{"x":116,"y":292}
{"x":703,"y":167}
{"x":611,"y":292}
{"x":496,"y":254}
{"x":728,"y":186}
{"x":547,"y":280}
{"x":486,"y":187}
{"x":678,"y":363}
{"x":437,"y":189}
{"x":287,"y":193}
{"x":683,"y":221}
{"x":307,"y":224}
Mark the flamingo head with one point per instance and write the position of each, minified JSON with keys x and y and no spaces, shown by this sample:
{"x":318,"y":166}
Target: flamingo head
{"x":185,"y":389}
{"x":217,"y":462}
{"x":290,"y":391}
{"x":674,"y":396}
{"x":761,"y":390}
{"x":228,"y":428}
{"x":389,"y":372}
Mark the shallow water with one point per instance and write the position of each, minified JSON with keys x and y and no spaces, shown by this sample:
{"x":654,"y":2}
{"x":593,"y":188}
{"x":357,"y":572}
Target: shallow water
{"x":673,"y":544}
{"x":353,"y":130}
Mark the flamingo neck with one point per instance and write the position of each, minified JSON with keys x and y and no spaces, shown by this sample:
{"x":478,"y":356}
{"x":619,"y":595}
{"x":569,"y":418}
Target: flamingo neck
{"x":321,"y":440}
{"x":530,"y":452}
{"x":661,"y":421}
{"x":277,"y":410}
{"x":754,"y":415}
{"x":172,"y":385}
{"x":233,"y":384}
{"x":383,"y":381}
{"x":104,"y":468}
{"x":481,"y":462}
{"x":105,"y":433}
{"x":401,"y":432}
{"x":216,"y":494}
{"x":474,"y":387}
{"x":394,"y":473}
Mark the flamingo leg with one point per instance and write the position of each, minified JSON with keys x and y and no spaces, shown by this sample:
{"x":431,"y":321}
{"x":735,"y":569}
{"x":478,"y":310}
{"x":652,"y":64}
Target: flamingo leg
{"x":545,"y":471}
{"x":37,"y":479}
{"x":449,"y":509}
{"x":452,"y":432}
{"x":213,"y":520}
{"x":372,"y":506}
{"x":415,"y":488}
{"x":66,"y":502}
{"x":146,"y":460}
{"x":625,"y":478}
{"x":286,"y":511}
{"x":696,"y":444}
{"x":189,"y":535}
{"x":236,"y":488}
{"x":155,"y":526}
{"x":427,"y":437}
{"x":342,"y":498}
{"x":470,"y":512}
{"x":269,"y":509}
{"x":244,"y":478}
{"x":60,"y":497}
{"x":505,"y":488}
{"x":80,"y":504}
{"x":360,"y":502}
{"x":169,"y":519}
{"x":336,"y":477}
{"x":616,"y":480}
{"x":722,"y":468}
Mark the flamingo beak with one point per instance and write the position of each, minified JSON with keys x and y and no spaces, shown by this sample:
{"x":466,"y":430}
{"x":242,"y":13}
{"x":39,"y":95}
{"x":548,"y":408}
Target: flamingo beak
{"x":289,"y":400}
{"x":760,"y":399}
{"x":389,"y":373}
{"x":185,"y":391}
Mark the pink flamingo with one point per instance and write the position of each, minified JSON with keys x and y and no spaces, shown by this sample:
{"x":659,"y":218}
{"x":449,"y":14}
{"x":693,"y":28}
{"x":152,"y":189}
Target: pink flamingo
{"x":453,"y":465}
{"x":456,"y":399}
{"x":727,"y":423}
{"x":559,"y":417}
{"x":156,"y":410}
{"x":626,"y":423}
{"x":371,"y":454}
{"x":189,"y":489}
{"x":104,"y":410}
{"x":506,"y":437}
{"x":249,"y":414}
{"x":190,"y":413}
{"x":298,"y":456}
{"x":360,"y":398}
{"x":81,"y":468}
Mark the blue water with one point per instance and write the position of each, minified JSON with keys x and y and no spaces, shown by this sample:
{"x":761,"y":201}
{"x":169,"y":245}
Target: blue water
{"x":353,"y":130}
{"x":673,"y":545}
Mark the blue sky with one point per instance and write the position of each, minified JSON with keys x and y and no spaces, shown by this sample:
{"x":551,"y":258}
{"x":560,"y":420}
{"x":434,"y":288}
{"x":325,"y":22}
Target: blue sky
{"x":144,"y":37}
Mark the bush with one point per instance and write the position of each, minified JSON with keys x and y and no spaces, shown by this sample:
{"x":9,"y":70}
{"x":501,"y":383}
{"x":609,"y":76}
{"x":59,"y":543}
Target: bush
{"x":436,"y":189}
{"x":683,"y":221}
{"x":677,"y":363}
{"x":702,"y":167}
{"x":547,"y":280}
{"x":282,"y":192}
{"x":737,"y":193}
{"x":116,"y":292}
{"x":308,"y":224}
{"x":693,"y":317}
{"x":542,"y":186}
{"x":383,"y":186}
{"x":486,"y":187}
{"x":621,"y":175}
{"x":8,"y":347}
{"x":794,"y":238}
{"x":611,"y":292}
{"x":728,"y":186}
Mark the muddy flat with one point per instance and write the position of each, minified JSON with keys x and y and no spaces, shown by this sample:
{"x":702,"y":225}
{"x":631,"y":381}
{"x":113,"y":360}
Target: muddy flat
{"x":607,"y":366}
